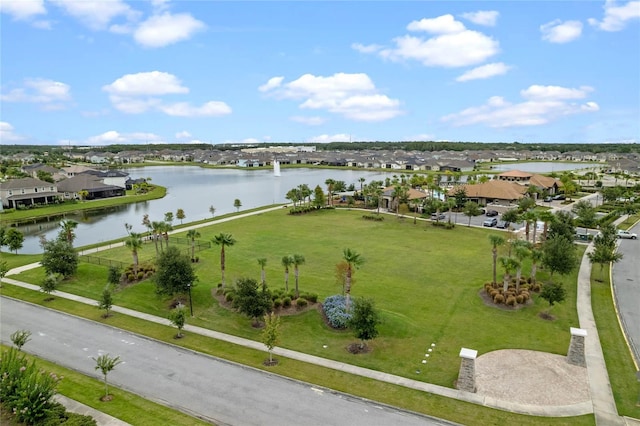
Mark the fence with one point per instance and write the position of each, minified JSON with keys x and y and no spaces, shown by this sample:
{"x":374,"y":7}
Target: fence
{"x":102,"y":261}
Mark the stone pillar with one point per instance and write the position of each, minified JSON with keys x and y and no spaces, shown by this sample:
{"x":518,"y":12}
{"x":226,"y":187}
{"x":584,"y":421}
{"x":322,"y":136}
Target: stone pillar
{"x":576,"y":355}
{"x":467,"y":375}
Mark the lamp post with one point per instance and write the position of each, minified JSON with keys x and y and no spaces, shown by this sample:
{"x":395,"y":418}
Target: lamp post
{"x":190,"y":301}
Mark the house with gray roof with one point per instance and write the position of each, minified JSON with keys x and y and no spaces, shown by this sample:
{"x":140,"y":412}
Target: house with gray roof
{"x":27,"y":191}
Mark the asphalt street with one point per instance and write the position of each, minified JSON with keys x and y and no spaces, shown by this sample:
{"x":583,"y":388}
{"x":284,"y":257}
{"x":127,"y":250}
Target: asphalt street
{"x":209,"y":388}
{"x":626,"y":279}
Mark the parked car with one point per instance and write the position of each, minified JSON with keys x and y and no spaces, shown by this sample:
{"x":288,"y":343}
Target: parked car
{"x":503,"y":224}
{"x":626,"y":234}
{"x":548,"y":199}
{"x":440,"y":216}
{"x":559,"y":197}
{"x":490,"y":222}
{"x":491,"y":213}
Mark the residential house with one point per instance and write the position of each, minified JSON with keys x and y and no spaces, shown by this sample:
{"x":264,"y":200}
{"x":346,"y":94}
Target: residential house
{"x":494,"y":191}
{"x":27,"y":191}
{"x":95,"y":188}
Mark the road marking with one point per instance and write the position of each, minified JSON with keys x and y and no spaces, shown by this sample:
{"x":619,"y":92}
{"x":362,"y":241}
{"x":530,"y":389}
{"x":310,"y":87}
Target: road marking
{"x":318,"y":391}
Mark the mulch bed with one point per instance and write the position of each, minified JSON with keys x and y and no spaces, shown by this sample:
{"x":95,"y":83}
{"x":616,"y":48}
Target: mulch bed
{"x":486,"y":298}
{"x":282,"y":311}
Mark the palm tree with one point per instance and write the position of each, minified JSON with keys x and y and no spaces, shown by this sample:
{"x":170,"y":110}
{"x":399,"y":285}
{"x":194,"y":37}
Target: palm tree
{"x":223,"y":240}
{"x":68,"y":227}
{"x":298,"y":260}
{"x":193,"y":234}
{"x":529,"y":217}
{"x":287,"y":261}
{"x":105,"y":364}
{"x":521,"y":252}
{"x":496,"y":240}
{"x":262,"y":262}
{"x":536,"y":256}
{"x":237,"y":204}
{"x":354,"y":260}
{"x":508,"y":264}
{"x":156,"y":228}
{"x":361,"y":180}
{"x":212,"y":210}
{"x":165,"y":227}
{"x":134,"y":243}
{"x":546,"y":217}
{"x":330,"y":183}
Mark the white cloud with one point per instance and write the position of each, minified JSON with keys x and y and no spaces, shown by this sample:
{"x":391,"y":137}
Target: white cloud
{"x":114,"y":137}
{"x":561,"y":32}
{"x":541,"y":105}
{"x":184,"y":109}
{"x":183,"y":135}
{"x":484,"y":71}
{"x":482,"y":17}
{"x":141,"y":92}
{"x":452,"y":46}
{"x":445,"y":24}
{"x":163,"y":30}
{"x":354,"y":96}
{"x":7,"y":134}
{"x":538,"y":92}
{"x":340,"y":137}
{"x":311,"y":121}
{"x":146,"y":83}
{"x":50,"y":94}
{"x":97,"y":14}
{"x":371,"y":48}
{"x":271,"y":84}
{"x":23,"y":9}
{"x":615,"y":16}
{"x":423,"y":137}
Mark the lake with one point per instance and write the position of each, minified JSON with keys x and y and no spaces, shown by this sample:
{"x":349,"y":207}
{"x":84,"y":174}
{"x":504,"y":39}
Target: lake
{"x":545,"y":166}
{"x":193,"y":189}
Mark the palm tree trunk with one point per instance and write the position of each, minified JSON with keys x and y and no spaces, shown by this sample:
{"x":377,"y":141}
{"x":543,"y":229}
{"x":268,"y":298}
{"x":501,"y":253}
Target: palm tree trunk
{"x":222,"y":264}
{"x":286,"y":280}
{"x":348,"y":288}
{"x":296,"y":274}
{"x":534,"y":268}
{"x":495,"y":264}
{"x":505,"y":283}
{"x":518,"y":276}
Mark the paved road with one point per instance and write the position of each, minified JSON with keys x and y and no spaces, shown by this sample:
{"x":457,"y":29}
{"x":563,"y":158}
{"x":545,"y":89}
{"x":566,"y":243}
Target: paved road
{"x":209,"y":388}
{"x":626,"y":281}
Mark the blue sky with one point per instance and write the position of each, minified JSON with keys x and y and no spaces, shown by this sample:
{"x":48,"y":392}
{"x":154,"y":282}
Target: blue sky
{"x":103,"y":72}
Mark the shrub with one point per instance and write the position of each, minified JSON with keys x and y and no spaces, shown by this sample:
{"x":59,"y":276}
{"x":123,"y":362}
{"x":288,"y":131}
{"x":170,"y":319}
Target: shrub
{"x":130,"y":277}
{"x":286,"y":302}
{"x":493,"y":293}
{"x":24,"y":389}
{"x":511,"y":301}
{"x":498,"y":298}
{"x":535,"y":287}
{"x":301,"y":302}
{"x":520,"y":299}
{"x":335,"y":310}
{"x":228,"y":297}
{"x":525,"y":295}
{"x":140,"y":275}
{"x":311,"y":297}
{"x":277,"y":303}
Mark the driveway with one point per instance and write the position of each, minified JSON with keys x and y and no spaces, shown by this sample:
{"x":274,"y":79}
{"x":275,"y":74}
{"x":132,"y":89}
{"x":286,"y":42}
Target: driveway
{"x":626,"y":286}
{"x":216,"y":390}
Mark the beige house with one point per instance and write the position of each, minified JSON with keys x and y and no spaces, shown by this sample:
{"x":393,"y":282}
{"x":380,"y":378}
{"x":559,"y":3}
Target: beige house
{"x":27,"y":191}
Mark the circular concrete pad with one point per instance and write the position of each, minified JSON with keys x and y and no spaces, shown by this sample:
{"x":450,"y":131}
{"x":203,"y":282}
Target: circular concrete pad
{"x":531,"y":377}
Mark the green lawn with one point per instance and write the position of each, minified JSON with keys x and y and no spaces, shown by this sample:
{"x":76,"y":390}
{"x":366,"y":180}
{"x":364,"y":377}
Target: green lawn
{"x":622,"y":371}
{"x":425,"y":280}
